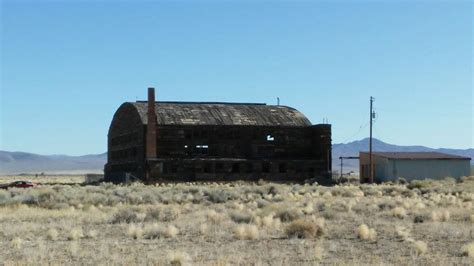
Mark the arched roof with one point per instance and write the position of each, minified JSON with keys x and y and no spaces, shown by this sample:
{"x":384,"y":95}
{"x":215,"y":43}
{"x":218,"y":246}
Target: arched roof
{"x":216,"y":113}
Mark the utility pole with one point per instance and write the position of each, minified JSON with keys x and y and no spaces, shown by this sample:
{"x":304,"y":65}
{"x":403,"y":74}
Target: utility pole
{"x":371,"y":163}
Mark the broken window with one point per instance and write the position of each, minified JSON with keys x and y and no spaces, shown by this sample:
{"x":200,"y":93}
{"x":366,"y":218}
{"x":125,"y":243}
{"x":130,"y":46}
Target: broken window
{"x":207,"y":168}
{"x":282,"y":168}
{"x":235,"y":168}
{"x":266,"y":167}
{"x":202,"y":149}
{"x":249,"y":167}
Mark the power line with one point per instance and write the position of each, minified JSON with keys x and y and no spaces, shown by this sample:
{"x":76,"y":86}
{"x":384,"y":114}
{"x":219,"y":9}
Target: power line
{"x":357,"y":132}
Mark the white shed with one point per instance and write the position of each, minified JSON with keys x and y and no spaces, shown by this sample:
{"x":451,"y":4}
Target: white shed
{"x":389,"y":166}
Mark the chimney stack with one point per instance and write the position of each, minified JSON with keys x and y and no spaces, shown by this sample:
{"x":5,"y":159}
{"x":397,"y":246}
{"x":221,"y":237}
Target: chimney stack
{"x":151,"y":127}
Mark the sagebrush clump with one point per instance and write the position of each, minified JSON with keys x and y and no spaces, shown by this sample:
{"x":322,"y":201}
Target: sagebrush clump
{"x":246,"y":232}
{"x":304,"y":228}
{"x":468,"y":250}
{"x":366,"y":233}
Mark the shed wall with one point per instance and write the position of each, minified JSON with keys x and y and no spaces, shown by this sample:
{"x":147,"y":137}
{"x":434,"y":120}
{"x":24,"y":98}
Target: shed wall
{"x":421,"y":169}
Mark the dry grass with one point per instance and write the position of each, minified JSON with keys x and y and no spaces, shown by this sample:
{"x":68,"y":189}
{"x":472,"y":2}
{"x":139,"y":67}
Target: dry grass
{"x":420,"y":247}
{"x":366,"y":233}
{"x":399,"y":212}
{"x":468,"y":250}
{"x":423,"y":222}
{"x":305,"y":228}
{"x":248,"y":232}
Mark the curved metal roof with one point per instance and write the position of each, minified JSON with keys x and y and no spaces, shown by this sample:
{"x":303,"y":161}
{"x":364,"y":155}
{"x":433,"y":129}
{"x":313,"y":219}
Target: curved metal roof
{"x":216,"y":113}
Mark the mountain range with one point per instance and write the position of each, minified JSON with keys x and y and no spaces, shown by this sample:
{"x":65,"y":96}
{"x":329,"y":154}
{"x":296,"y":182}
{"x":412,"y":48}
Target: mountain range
{"x":23,"y":162}
{"x":353,"y":149}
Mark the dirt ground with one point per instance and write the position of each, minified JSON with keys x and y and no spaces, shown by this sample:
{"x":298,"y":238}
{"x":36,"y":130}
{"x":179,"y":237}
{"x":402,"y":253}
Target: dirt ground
{"x":423,"y":223}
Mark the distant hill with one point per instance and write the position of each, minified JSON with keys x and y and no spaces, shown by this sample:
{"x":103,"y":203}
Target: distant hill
{"x":22,"y":162}
{"x":353,"y":149}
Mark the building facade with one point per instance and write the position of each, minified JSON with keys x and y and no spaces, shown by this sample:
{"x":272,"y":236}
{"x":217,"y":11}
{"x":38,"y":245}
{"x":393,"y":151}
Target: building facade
{"x":389,"y":166}
{"x":193,"y":141}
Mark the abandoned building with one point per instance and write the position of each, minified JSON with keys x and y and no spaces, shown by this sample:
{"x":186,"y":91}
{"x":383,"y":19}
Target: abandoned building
{"x":214,"y":141}
{"x":389,"y":166}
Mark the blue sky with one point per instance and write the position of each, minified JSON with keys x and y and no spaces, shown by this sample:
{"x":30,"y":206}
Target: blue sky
{"x":67,"y":66}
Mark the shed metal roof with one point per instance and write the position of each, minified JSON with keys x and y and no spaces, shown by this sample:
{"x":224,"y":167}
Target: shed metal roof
{"x":419,"y":156}
{"x":219,"y":113}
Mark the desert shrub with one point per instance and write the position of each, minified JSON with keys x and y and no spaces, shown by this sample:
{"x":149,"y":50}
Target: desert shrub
{"x":241,"y":217}
{"x":17,"y":243}
{"x":134,"y":231}
{"x":419,"y":219}
{"x":261,"y":203}
{"x":401,"y":181}
{"x":422,"y":185}
{"x":468,"y":250}
{"x":466,"y":179}
{"x":386,"y":205}
{"x":402,"y":232}
{"x":203,"y":229}
{"x":420,"y":247}
{"x":304,"y":228}
{"x":246,"y":231}
{"x":213,"y":217}
{"x":318,"y":252}
{"x":288,"y":214}
{"x":4,"y":197}
{"x":52,"y":234}
{"x":177,"y":258}
{"x":124,"y":216}
{"x":163,"y":215}
{"x":270,"y":221}
{"x":75,"y":234}
{"x":366,"y":233}
{"x":171,"y":231}
{"x":399,"y":212}
{"x":369,"y":190}
{"x":308,"y":208}
{"x":152,"y":231}
{"x":220,"y":196}
{"x":92,"y":234}
{"x":440,"y":216}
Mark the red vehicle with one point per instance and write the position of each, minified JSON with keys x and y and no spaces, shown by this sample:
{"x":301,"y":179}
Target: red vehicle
{"x":19,"y":184}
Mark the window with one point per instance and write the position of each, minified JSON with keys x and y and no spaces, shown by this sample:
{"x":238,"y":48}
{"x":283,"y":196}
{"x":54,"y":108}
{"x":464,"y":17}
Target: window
{"x":188,"y":134}
{"x":235,"y":168}
{"x":202,"y":149}
{"x":266,"y":167}
{"x":207,"y":168}
{"x":270,"y":137}
{"x":249,"y":167}
{"x":282,"y":168}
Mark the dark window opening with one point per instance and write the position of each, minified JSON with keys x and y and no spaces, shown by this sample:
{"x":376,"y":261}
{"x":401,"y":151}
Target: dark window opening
{"x":235,"y":168}
{"x":282,"y":168}
{"x":188,"y":134}
{"x":266,"y":167}
{"x":249,"y":167}
{"x":174,"y":168}
{"x":219,"y":166}
{"x":207,"y":168}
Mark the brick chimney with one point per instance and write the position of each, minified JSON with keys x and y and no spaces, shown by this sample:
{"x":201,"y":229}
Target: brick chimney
{"x":151,"y":127}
